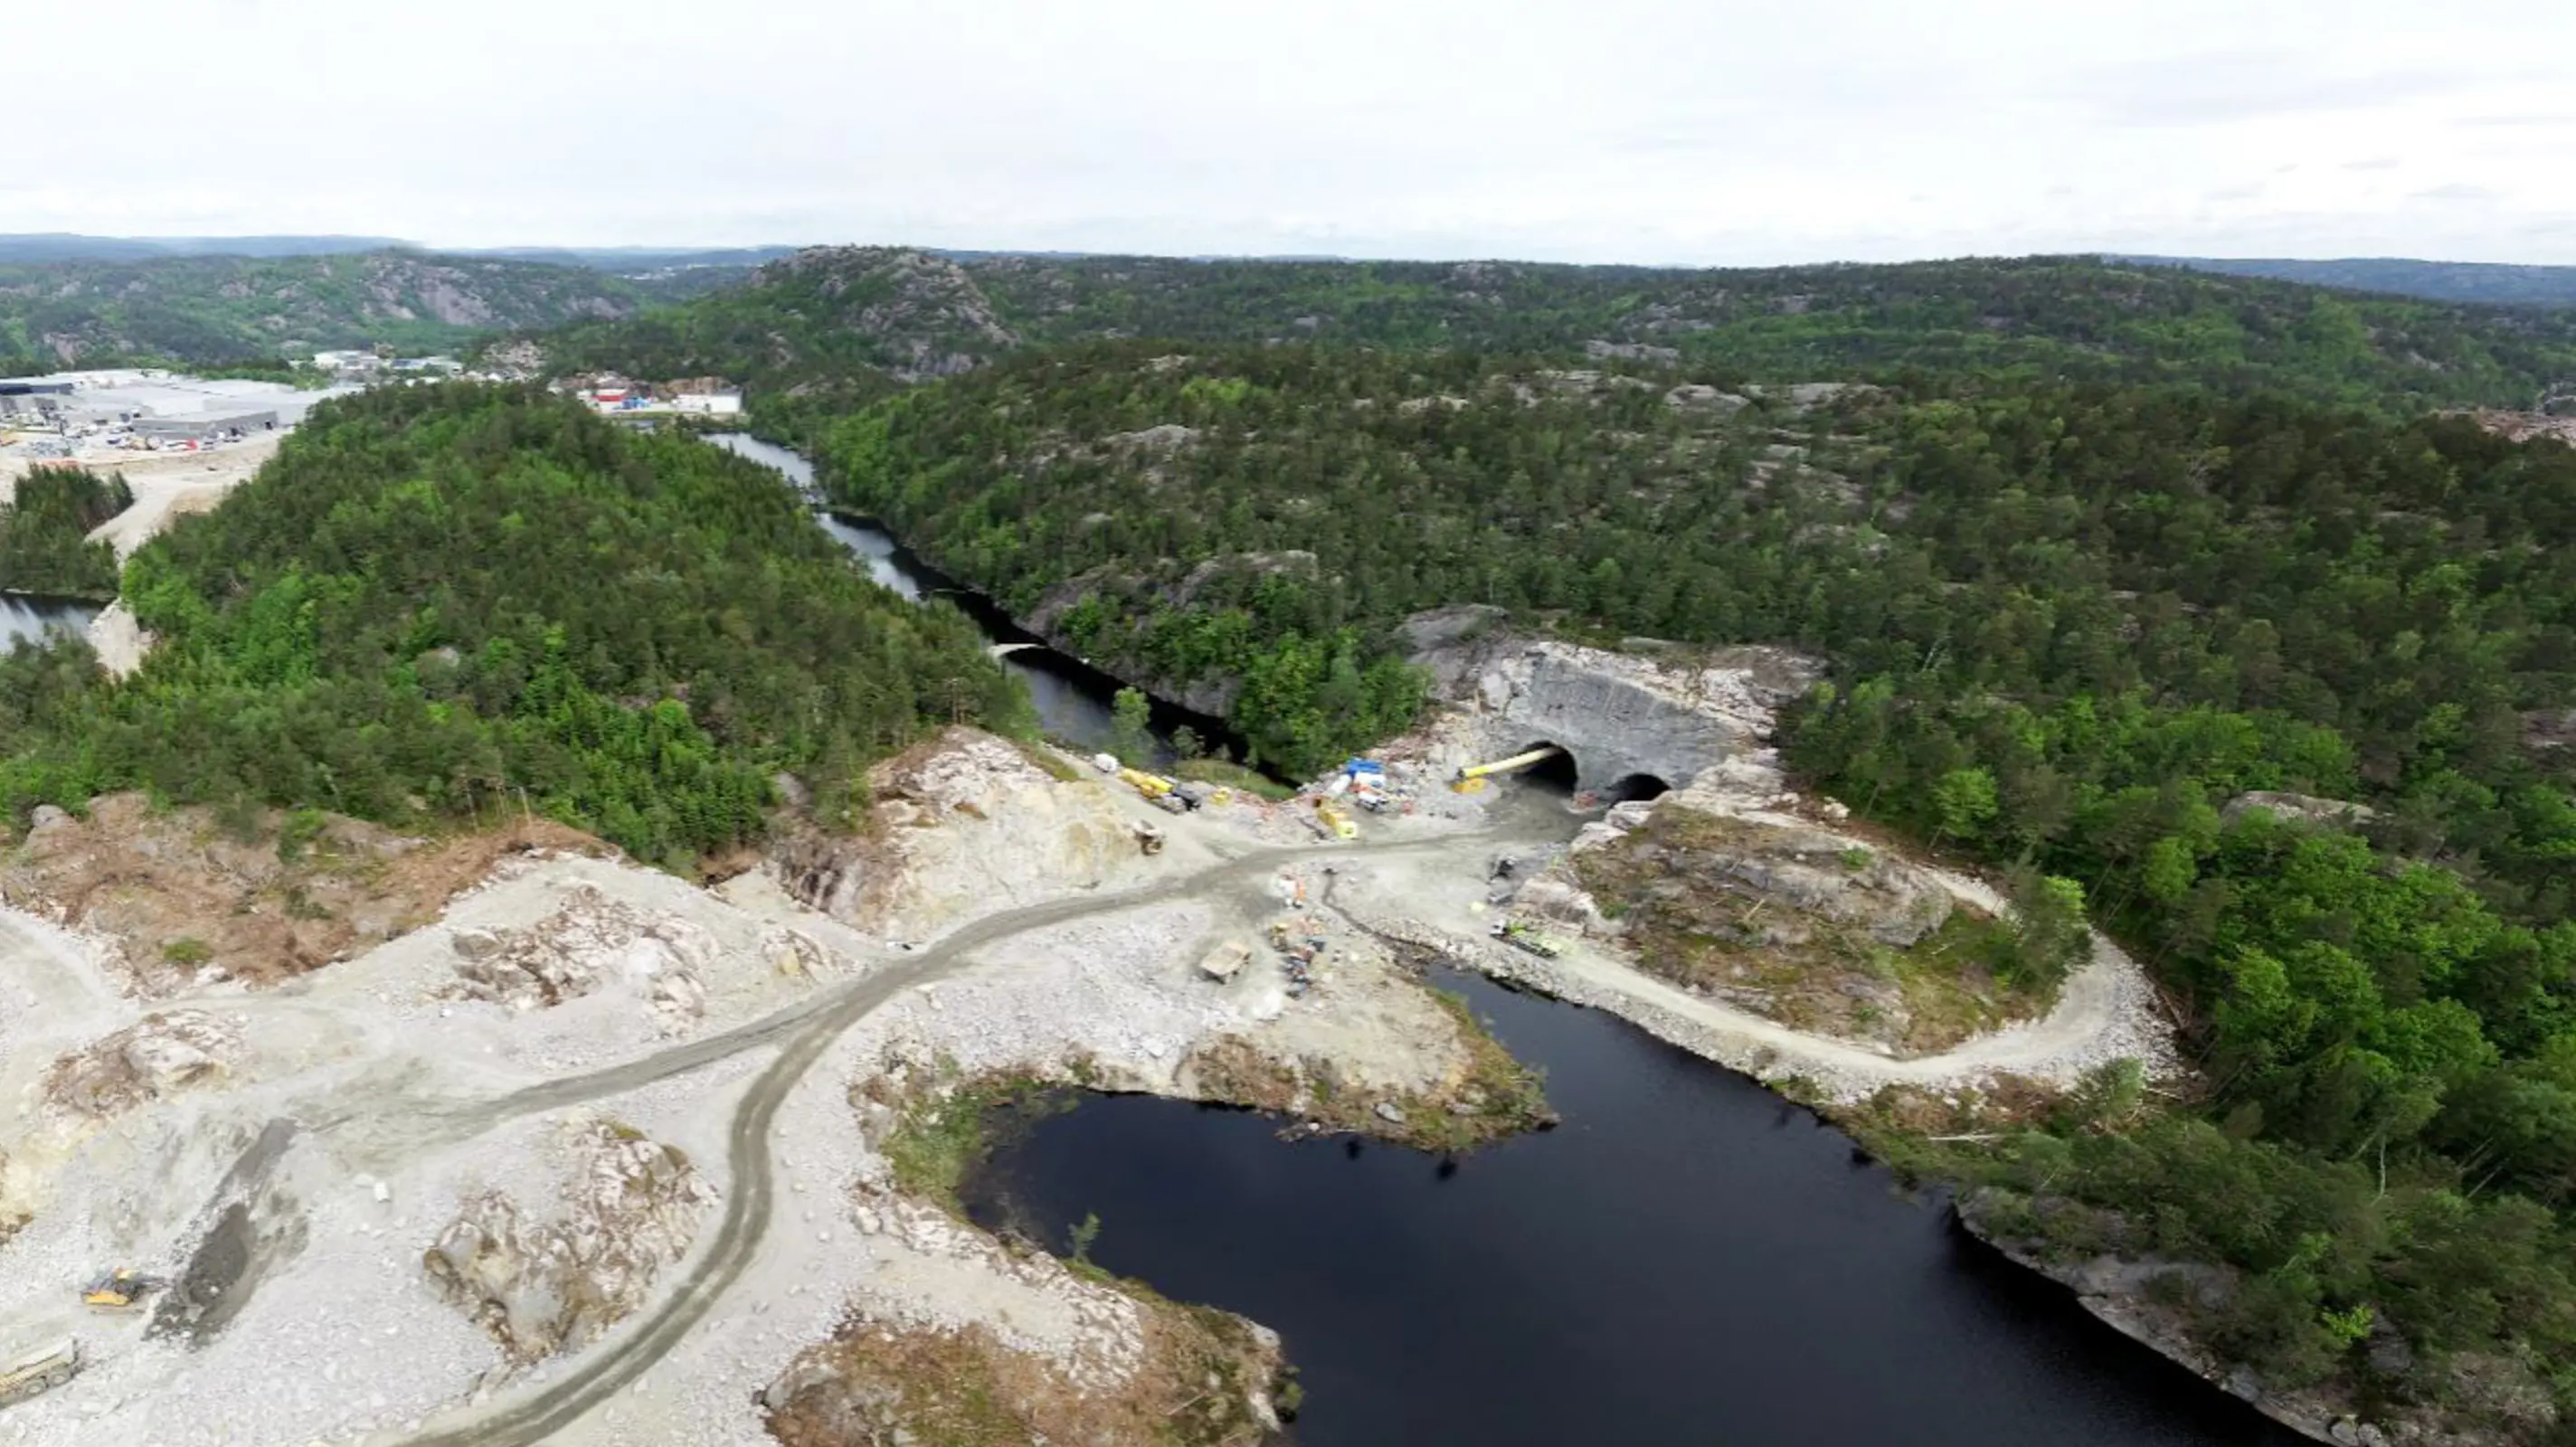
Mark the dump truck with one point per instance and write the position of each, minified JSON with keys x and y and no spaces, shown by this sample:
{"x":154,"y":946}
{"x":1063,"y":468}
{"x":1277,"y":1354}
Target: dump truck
{"x":1226,"y":960}
{"x":40,"y":1370}
{"x":1513,"y":932}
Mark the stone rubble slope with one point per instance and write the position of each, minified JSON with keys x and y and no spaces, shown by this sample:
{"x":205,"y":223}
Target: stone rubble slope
{"x":591,"y":938}
{"x":965,"y":824}
{"x":541,"y":1282}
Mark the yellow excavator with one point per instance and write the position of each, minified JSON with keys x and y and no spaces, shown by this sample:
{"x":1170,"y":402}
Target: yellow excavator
{"x":120,"y":1290}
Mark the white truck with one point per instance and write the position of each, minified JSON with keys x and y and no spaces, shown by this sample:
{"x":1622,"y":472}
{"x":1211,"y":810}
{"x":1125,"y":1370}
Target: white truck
{"x":40,"y":1370}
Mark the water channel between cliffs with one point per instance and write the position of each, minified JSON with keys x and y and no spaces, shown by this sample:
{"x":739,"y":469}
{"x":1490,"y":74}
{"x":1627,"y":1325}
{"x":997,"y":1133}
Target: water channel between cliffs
{"x":1688,"y":1260}
{"x":31,"y":617}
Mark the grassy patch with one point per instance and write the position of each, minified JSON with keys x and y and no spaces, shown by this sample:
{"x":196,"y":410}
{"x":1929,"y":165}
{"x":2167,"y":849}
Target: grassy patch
{"x":1495,"y":1097}
{"x":1055,"y":765}
{"x":965,"y":1387}
{"x":1692,"y":919}
{"x":939,"y":1142}
{"x":187,"y":953}
{"x":1235,"y":777}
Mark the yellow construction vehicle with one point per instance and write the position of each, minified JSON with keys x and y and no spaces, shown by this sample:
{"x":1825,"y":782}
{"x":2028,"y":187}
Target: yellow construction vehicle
{"x":1471,"y":779}
{"x":120,"y":1290}
{"x":1149,"y":785}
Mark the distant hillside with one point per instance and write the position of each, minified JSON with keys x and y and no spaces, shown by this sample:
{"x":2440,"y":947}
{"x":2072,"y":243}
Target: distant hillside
{"x":2454,"y":281}
{"x":636,"y":260}
{"x":213,"y":309}
{"x":64,"y":246}
{"x":861,"y":317}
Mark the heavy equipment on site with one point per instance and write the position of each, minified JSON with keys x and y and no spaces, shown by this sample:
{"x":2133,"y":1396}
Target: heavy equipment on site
{"x":1519,"y":935}
{"x":40,"y":1370}
{"x":1473,"y":777}
{"x":120,"y":1290}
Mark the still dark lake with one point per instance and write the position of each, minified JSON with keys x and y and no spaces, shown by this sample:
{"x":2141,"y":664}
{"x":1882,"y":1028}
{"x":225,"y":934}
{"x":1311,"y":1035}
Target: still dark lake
{"x":1688,"y":1259}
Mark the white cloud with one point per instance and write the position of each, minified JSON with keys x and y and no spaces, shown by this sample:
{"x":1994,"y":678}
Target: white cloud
{"x":1649,"y":130}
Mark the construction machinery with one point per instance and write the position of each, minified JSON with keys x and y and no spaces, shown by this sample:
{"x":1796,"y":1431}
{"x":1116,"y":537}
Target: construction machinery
{"x":40,"y":1370}
{"x":1150,"y":785}
{"x":1514,"y":764}
{"x":120,"y":1290}
{"x":1226,"y":960}
{"x":1521,"y":936}
{"x":1339,"y":822}
{"x":1158,"y":791}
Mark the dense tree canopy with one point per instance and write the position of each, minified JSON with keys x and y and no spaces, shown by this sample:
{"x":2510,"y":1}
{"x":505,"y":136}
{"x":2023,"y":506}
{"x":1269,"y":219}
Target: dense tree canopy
{"x":856,"y":319}
{"x":2072,"y":624}
{"x":436,"y":599}
{"x":44,"y":533}
{"x":202,"y":310}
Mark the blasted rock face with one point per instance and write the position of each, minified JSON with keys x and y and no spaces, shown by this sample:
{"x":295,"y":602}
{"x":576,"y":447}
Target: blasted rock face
{"x":542,"y":1283}
{"x":591,"y":941}
{"x":157,"y":1056}
{"x":964,"y":821}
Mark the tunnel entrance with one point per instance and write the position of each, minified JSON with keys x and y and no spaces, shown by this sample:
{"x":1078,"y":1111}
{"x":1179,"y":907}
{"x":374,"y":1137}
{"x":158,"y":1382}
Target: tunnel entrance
{"x":1635,"y":788}
{"x":1556,"y":773}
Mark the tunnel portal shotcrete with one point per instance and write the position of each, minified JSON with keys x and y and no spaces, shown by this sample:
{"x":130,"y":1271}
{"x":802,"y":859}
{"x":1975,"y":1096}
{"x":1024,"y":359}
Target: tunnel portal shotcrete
{"x":1631,"y":726}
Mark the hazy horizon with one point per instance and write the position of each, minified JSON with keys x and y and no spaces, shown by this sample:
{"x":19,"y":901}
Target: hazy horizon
{"x":692,"y":247}
{"x":1643,"y":131}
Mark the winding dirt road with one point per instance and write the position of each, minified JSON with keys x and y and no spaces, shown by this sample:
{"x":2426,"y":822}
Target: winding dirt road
{"x":2095,"y":1012}
{"x":807,"y":1031}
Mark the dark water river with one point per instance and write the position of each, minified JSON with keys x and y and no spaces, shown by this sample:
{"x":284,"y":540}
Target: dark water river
{"x":31,"y":617}
{"x":1072,"y":698}
{"x":1687,"y":1260}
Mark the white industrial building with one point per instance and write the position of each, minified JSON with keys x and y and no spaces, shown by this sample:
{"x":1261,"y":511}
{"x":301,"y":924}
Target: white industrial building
{"x":205,"y":426}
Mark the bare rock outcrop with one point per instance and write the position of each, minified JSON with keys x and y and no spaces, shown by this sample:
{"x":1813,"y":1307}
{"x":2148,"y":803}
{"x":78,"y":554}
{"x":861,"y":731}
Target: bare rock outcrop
{"x":1805,"y":876}
{"x":541,"y":1284}
{"x":965,"y":821}
{"x":1623,"y":717}
{"x":157,"y":1056}
{"x":590,"y":941}
{"x":2300,"y":809}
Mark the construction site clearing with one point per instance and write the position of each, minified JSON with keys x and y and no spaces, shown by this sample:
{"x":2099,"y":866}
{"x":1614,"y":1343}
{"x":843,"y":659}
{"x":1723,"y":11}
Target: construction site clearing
{"x":222,"y":1170}
{"x":586,"y":1153}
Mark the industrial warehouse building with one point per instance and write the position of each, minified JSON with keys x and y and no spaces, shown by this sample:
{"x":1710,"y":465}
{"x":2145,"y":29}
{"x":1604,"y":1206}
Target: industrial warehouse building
{"x":204,"y":426}
{"x":31,"y":395}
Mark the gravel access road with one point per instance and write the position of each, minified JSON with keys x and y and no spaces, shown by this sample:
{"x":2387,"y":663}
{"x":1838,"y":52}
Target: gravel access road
{"x":806,"y":1031}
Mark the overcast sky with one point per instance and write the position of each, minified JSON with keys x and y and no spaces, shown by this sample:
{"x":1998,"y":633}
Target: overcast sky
{"x":1712,"y":131}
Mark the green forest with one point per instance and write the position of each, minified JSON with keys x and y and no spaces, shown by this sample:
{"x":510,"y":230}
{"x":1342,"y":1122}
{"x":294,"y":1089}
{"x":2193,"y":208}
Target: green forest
{"x":2094,"y":551}
{"x":2071,"y":623}
{"x":44,"y":533}
{"x":443,"y":601}
{"x":240,"y":311}
{"x":842,"y":324}
{"x":2485,"y":282}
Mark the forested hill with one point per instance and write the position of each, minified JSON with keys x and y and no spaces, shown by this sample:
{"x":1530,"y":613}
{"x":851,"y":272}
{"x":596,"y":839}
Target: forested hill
{"x":2073,"y":624}
{"x":436,"y":598}
{"x":2483,"y":283}
{"x":849,"y":318}
{"x":213,"y":309}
